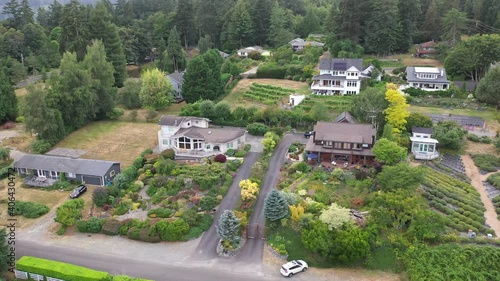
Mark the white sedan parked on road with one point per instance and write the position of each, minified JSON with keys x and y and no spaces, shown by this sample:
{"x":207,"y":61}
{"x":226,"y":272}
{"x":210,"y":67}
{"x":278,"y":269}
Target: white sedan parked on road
{"x":293,"y":267}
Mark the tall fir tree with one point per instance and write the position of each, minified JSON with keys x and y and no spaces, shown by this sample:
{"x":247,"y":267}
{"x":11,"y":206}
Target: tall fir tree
{"x":431,"y":24}
{"x":382,"y":27}
{"x":279,"y":27}
{"x":309,"y":24}
{"x":184,"y":20}
{"x":175,"y":58}
{"x":207,"y":18}
{"x":26,"y":13}
{"x":103,"y":29}
{"x":350,"y":19}
{"x":101,"y":73}
{"x":238,"y":29}
{"x":454,"y":25}
{"x":8,"y":100}
{"x":409,"y":13}
{"x":75,"y":34}
{"x":195,"y":79}
{"x":275,"y":206}
{"x":228,"y":226}
{"x":54,"y":15}
{"x":13,"y":9}
{"x":214,"y":61}
{"x":261,"y":18}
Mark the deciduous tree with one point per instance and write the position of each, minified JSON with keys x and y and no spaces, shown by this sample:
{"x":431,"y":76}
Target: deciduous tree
{"x":449,"y":134}
{"x":487,"y":89}
{"x":156,"y":91}
{"x":418,"y":120}
{"x":8,"y":99}
{"x":400,"y":176}
{"x":388,"y":152}
{"x":397,"y":111}
{"x":335,"y":216}
{"x":249,"y":190}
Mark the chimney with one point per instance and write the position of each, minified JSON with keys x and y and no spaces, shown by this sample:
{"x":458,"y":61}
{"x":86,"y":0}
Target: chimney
{"x":175,"y":123}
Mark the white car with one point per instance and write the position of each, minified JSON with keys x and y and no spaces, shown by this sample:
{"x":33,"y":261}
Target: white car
{"x":293,"y":267}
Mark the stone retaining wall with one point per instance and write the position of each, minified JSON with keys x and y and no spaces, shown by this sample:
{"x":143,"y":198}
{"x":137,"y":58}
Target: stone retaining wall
{"x":275,"y":253}
{"x":223,"y":253}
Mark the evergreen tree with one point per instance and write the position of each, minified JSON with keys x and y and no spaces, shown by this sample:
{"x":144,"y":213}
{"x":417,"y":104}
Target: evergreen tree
{"x":382,"y":27}
{"x":279,"y":33}
{"x":261,"y":18}
{"x":42,"y":17}
{"x":238,"y":30}
{"x":75,"y":32}
{"x":350,"y":19}
{"x":54,"y":15}
{"x":175,"y":55}
{"x":103,"y":29}
{"x":71,"y":93}
{"x":205,"y":44}
{"x":8,"y":100}
{"x":39,"y":117}
{"x":431,"y":24}
{"x":101,"y":72}
{"x":275,"y":206}
{"x":228,"y":226}
{"x":184,"y":20}
{"x":409,"y":13}
{"x":454,"y":23}
{"x":214,"y":88}
{"x":13,"y":8}
{"x":26,"y":13}
{"x":4,"y":258}
{"x":208,"y":19}
{"x":309,"y":24}
{"x":195,"y":79}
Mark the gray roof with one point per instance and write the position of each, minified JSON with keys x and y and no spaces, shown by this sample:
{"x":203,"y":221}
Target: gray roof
{"x":469,"y":85}
{"x":344,"y":132}
{"x":327,"y":76}
{"x":422,"y":130}
{"x":213,"y":135}
{"x":305,"y":43}
{"x":65,"y":164}
{"x":174,"y":120}
{"x":340,"y":64}
{"x":410,"y":76}
{"x":345,"y":117}
{"x":177,"y":77}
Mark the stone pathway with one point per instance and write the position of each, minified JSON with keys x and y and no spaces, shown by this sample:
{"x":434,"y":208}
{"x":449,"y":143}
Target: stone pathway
{"x":477,"y":181}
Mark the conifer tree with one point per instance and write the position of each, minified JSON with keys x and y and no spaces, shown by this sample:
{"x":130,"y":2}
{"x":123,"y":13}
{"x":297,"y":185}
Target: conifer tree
{"x":228,"y":226}
{"x":14,"y":9}
{"x":175,"y":58}
{"x":195,"y":81}
{"x":184,"y":20}
{"x":275,"y":206}
{"x":8,"y":100}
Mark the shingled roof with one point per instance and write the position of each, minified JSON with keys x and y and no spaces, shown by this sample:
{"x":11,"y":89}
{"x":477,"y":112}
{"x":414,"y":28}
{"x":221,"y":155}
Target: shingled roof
{"x":344,"y":132}
{"x":65,"y":164}
{"x":340,"y":64}
{"x":213,"y":135}
{"x":174,"y":120}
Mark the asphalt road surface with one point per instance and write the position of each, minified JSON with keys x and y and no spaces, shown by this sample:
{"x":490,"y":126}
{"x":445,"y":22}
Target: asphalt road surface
{"x":254,"y":248}
{"x":137,"y":266}
{"x":208,"y":243}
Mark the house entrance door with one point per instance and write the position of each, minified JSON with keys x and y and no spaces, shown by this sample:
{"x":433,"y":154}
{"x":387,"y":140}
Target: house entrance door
{"x":423,"y":147}
{"x":40,"y":173}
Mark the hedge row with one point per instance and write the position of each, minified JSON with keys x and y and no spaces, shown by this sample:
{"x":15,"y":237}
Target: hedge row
{"x":29,"y":210}
{"x":415,"y":92}
{"x":66,"y":271}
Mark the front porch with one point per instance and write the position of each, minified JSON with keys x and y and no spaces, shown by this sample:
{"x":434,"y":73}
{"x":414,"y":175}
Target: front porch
{"x":424,"y":148}
{"x":343,"y":160}
{"x":194,"y":153}
{"x":39,"y":181}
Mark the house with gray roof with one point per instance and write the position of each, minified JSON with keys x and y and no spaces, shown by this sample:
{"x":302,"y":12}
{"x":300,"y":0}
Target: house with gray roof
{"x":300,"y":44}
{"x":338,"y":77}
{"x":347,"y":143}
{"x":176,"y":79}
{"x":246,"y":51}
{"x":345,"y":117}
{"x":192,"y":136}
{"x":427,"y":78}
{"x":44,"y":170}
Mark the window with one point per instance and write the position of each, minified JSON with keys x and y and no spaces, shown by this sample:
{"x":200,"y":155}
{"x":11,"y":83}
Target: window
{"x":21,"y":170}
{"x":418,"y":136}
{"x":54,"y":174}
{"x":71,"y":175}
{"x":230,"y":145}
{"x":184,"y":143}
{"x":197,"y":144}
{"x":337,"y":145}
{"x":430,"y":148}
{"x":112,"y":173}
{"x":347,"y":145}
{"x":352,"y":83}
{"x":207,"y":146}
{"x":166,"y":141}
{"x":189,"y":124}
{"x":356,"y":146}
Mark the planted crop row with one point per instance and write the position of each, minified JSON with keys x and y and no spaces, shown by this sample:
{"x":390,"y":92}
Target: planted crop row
{"x":271,"y":87}
{"x":270,"y":91}
{"x":443,"y":189}
{"x":261,"y":95}
{"x":462,"y":207}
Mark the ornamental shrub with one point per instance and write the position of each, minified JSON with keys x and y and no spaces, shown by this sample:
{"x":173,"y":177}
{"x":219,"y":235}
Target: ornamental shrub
{"x":257,"y":129}
{"x":69,"y":212}
{"x":221,"y":158}
{"x":171,"y":231}
{"x":275,"y":206}
{"x":208,"y":203}
{"x":168,"y":154}
{"x":100,"y":196}
{"x":40,"y":146}
{"x":228,"y":226}
{"x":111,"y":227}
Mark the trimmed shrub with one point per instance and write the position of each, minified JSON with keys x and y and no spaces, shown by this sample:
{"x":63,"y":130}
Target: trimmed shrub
{"x":230,"y":152}
{"x":271,"y":70}
{"x":111,"y":227}
{"x":473,"y":137}
{"x":171,"y":231}
{"x":40,"y":146}
{"x":168,"y":154}
{"x":100,"y":196}
{"x":208,"y":203}
{"x":146,"y":235}
{"x":93,"y":225}
{"x":221,"y":158}
{"x":60,"y":270}
{"x":160,"y":213}
{"x":257,"y":129}
{"x":34,"y":210}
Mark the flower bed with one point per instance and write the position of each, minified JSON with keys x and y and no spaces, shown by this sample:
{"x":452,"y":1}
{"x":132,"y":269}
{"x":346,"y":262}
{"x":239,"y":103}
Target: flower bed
{"x":223,"y":252}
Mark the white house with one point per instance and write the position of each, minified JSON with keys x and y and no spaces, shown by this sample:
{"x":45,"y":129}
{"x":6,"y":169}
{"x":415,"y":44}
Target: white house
{"x":427,"y":78}
{"x":423,"y":146}
{"x":191,"y":136}
{"x":245,"y":51}
{"x":338,"y":77}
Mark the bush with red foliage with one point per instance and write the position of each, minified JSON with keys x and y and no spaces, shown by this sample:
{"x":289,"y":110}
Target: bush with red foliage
{"x":8,"y":125}
{"x":221,"y":158}
{"x":357,"y":202}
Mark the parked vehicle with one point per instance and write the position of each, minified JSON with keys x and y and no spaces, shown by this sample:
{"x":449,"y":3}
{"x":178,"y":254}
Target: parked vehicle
{"x":81,"y":189}
{"x":293,"y":267}
{"x":308,"y":134}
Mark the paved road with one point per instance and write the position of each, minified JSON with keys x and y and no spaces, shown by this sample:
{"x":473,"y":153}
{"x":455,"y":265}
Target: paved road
{"x":253,"y":251}
{"x":137,"y":266}
{"x":208,"y":243}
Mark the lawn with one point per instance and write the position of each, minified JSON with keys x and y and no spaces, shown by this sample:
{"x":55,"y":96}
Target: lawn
{"x":113,"y":141}
{"x":235,"y":98}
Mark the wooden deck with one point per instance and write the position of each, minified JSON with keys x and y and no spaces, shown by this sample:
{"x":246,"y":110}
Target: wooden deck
{"x":39,"y":181}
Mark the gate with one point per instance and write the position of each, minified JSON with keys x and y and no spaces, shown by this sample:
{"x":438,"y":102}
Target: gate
{"x":255,"y":231}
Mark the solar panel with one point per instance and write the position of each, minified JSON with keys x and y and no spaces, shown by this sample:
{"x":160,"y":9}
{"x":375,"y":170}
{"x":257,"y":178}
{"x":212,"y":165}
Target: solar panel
{"x":339,"y":66}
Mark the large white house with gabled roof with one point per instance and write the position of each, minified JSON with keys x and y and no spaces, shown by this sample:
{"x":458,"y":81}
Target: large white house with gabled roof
{"x":338,"y":77}
{"x":427,"y":78}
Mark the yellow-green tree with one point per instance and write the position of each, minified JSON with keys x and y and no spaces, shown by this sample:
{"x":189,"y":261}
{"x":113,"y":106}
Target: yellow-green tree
{"x":297,"y":212}
{"x":156,"y":91}
{"x":397,"y":112}
{"x":249,"y":190}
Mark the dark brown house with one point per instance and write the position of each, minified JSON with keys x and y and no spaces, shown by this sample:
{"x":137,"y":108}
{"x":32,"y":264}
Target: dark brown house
{"x":342,"y":142}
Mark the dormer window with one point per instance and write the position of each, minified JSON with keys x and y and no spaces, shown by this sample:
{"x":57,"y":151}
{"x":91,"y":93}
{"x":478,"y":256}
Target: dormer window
{"x":189,"y":123}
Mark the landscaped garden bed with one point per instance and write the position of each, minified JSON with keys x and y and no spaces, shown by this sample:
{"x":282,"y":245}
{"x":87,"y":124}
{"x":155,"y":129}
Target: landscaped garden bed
{"x":457,"y":200}
{"x":295,"y":151}
{"x":267,"y":94}
{"x":486,"y":162}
